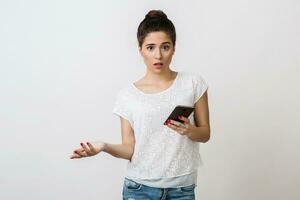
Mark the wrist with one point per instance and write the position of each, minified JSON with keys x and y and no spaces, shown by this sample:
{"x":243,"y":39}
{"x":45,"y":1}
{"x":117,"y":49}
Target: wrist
{"x":105,"y":146}
{"x":191,"y":131}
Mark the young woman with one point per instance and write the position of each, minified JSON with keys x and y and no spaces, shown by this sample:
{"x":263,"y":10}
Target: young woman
{"x":163,"y":158}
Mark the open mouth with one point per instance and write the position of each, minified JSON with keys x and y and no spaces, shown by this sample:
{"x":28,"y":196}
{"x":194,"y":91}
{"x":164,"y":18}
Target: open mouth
{"x":158,"y":65}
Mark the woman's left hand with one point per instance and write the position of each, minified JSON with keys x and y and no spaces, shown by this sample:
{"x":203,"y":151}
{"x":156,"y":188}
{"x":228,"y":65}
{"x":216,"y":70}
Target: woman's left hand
{"x":184,"y":128}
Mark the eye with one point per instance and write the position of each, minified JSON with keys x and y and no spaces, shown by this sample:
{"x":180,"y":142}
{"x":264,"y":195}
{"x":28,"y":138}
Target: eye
{"x":150,"y":48}
{"x":166,"y":47}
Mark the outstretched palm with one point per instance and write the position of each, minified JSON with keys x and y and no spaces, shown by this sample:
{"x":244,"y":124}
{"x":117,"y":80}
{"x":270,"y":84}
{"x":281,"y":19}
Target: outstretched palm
{"x":88,"y":149}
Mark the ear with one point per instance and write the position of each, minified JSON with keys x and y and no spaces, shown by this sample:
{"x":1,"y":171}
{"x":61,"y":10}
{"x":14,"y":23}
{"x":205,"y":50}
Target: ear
{"x":140,"y":50}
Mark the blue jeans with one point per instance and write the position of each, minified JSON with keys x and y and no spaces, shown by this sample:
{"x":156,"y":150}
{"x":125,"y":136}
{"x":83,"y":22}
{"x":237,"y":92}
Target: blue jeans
{"x":136,"y":191}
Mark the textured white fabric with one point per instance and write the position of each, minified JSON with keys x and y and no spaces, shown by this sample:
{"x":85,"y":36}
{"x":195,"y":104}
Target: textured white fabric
{"x":170,"y":182}
{"x":160,"y":152}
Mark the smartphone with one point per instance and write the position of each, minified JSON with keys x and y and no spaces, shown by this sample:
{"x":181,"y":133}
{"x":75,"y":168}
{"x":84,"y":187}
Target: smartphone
{"x":180,"y":110}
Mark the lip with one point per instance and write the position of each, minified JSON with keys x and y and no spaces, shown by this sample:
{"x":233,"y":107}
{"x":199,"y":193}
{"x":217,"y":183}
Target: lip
{"x":158,"y":63}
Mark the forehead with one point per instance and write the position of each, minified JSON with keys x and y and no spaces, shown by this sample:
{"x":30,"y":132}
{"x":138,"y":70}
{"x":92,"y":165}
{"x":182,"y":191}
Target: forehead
{"x":157,"y":38}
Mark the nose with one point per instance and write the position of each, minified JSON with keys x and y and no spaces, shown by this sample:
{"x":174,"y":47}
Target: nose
{"x":157,"y":54}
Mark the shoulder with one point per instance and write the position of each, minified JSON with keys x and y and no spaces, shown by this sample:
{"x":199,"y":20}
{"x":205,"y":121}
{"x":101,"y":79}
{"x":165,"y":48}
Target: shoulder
{"x":124,"y":91}
{"x":195,"y":77}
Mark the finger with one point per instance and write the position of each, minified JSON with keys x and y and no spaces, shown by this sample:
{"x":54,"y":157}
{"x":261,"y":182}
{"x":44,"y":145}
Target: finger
{"x":181,"y":132}
{"x":75,"y":155}
{"x":185,"y":126}
{"x":171,"y":126}
{"x":179,"y":124}
{"x":79,"y":149}
{"x":92,"y":148}
{"x":184,"y":119}
{"x":85,"y":147}
{"x":175,"y":123}
{"x":81,"y":152}
{"x":176,"y":128}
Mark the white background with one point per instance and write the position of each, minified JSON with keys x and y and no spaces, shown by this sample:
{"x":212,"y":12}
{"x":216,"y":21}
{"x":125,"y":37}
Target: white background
{"x":62,"y":63}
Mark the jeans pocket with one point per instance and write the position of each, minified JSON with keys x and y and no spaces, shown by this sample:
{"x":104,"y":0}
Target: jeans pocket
{"x":132,"y":185}
{"x":189,"y":188}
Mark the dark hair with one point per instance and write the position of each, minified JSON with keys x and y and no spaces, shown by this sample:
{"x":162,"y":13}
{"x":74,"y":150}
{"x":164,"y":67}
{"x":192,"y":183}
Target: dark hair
{"x":155,"y":20}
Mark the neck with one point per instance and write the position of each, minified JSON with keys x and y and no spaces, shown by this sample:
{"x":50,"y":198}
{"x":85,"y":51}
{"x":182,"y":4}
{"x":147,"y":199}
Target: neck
{"x":162,"y":77}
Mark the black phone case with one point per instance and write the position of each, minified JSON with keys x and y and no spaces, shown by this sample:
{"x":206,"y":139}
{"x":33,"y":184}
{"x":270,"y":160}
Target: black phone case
{"x":180,"y":110}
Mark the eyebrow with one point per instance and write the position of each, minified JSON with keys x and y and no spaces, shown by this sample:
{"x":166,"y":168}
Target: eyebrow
{"x":154,"y":44}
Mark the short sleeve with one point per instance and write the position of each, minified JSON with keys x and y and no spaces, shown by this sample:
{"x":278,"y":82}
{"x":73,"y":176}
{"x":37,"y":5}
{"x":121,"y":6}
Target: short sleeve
{"x":122,"y":106}
{"x":200,"y":86}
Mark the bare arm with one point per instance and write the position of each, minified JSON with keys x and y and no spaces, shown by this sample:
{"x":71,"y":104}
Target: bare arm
{"x":201,"y":133}
{"x":124,"y":150}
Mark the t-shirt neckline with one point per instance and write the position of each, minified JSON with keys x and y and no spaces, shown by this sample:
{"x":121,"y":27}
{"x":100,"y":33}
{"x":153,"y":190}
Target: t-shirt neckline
{"x":161,"y":92}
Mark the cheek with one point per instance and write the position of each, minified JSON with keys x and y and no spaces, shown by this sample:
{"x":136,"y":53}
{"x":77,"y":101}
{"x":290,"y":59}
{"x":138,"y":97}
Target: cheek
{"x":169,"y":56}
{"x":147,"y":57}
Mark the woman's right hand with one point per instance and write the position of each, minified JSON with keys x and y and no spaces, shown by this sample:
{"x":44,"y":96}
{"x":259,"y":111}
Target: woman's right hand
{"x":88,"y":149}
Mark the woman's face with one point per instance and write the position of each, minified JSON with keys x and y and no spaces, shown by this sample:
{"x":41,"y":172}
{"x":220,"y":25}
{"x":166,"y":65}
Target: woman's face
{"x":157,"y":51}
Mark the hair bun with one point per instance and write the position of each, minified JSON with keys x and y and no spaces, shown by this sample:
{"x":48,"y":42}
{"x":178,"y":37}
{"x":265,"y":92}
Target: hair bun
{"x":156,"y":14}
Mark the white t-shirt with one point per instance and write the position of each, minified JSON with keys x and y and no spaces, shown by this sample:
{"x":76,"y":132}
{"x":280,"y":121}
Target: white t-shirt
{"x":160,"y":152}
